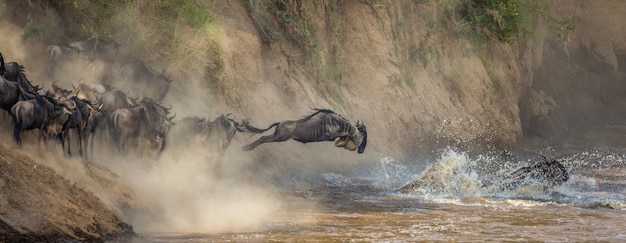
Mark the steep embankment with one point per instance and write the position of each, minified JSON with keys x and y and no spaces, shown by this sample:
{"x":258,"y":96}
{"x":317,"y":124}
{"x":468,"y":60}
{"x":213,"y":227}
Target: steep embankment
{"x":581,"y":75}
{"x":36,"y":204}
{"x":398,"y":66}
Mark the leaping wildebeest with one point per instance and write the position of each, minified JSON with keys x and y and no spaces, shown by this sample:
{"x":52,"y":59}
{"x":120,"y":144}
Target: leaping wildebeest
{"x":322,"y":125}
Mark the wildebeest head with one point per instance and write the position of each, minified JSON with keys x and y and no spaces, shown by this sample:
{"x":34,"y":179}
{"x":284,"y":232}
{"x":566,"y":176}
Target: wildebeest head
{"x":59,"y":93}
{"x":358,"y":138}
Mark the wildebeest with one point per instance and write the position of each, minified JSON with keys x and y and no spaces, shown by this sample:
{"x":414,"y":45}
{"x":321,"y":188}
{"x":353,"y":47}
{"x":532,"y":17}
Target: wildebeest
{"x":112,"y":100}
{"x":322,"y":125}
{"x":141,"y":78}
{"x":91,"y":50}
{"x":13,"y":91}
{"x":77,"y":120}
{"x":549,"y":173}
{"x":15,"y":72}
{"x":35,"y":113}
{"x":146,"y":122}
{"x":215,"y":135}
{"x":93,"y":121}
{"x":60,"y":55}
{"x":103,"y":48}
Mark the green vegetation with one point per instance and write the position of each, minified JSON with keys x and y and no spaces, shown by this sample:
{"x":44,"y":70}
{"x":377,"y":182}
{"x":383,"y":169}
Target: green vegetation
{"x":498,"y":18}
{"x":505,"y":20}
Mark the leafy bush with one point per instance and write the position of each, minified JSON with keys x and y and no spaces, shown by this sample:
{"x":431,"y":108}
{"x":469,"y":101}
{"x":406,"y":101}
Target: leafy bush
{"x":497,"y":18}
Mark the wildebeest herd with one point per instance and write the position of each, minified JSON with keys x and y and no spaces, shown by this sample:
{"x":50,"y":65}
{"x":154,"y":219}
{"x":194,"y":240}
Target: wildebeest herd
{"x":134,"y":124}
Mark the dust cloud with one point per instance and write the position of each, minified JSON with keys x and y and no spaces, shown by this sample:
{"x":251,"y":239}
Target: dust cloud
{"x":189,"y":194}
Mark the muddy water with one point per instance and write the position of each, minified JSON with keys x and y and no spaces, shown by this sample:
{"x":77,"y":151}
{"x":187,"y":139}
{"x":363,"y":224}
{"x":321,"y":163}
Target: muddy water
{"x":362,"y":206}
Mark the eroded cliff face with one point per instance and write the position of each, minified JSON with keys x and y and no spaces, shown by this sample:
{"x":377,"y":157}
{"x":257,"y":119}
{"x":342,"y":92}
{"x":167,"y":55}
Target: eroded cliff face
{"x":414,"y":82}
{"x":584,"y":75}
{"x":418,"y":85}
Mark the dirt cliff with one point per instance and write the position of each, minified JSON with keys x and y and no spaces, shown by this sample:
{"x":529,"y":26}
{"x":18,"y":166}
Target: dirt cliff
{"x":37,"y":204}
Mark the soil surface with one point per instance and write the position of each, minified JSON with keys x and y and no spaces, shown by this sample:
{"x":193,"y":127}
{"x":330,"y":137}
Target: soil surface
{"x":37,"y":204}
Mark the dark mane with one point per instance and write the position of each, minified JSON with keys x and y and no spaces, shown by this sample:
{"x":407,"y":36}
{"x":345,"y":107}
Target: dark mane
{"x":317,"y":111}
{"x":21,"y":78}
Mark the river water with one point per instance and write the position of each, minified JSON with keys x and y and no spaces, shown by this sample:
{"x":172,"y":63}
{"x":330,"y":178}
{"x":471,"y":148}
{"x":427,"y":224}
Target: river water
{"x":363,"y":206}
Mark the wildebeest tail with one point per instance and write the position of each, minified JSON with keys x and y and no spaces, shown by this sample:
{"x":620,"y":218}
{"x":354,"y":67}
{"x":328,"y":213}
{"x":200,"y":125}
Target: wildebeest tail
{"x":54,"y":53}
{"x":17,"y":120}
{"x":113,"y":127}
{"x":249,"y":128}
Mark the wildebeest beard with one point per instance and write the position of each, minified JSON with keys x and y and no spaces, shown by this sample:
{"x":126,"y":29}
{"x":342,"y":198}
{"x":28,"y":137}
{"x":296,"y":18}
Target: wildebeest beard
{"x":358,"y":138}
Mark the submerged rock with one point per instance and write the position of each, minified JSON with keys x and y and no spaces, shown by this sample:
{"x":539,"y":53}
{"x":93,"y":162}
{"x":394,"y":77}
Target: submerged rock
{"x":36,"y":204}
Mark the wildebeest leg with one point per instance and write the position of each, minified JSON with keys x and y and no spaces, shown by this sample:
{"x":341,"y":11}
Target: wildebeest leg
{"x":85,"y":144}
{"x":16,"y":133}
{"x":93,"y":137}
{"x":122,"y":143}
{"x":69,"y":143}
{"x":88,"y":135}
{"x":265,"y":139}
{"x":62,"y":138}
{"x":80,"y":141}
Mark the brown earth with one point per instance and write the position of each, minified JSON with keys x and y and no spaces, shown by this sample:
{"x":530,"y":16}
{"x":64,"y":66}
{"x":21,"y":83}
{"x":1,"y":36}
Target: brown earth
{"x":405,"y":72}
{"x":37,"y":204}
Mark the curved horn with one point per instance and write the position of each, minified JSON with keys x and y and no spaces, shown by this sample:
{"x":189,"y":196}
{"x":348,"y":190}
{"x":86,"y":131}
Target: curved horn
{"x":74,"y":105}
{"x":171,"y":118}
